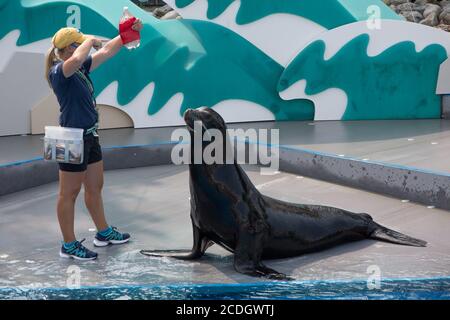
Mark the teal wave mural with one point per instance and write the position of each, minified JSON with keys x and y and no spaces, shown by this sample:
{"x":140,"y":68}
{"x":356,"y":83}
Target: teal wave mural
{"x":399,"y":83}
{"x":216,"y":65}
{"x":206,"y":62}
{"x":328,"y":13}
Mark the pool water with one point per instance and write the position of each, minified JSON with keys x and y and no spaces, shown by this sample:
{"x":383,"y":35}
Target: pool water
{"x":392,"y":289}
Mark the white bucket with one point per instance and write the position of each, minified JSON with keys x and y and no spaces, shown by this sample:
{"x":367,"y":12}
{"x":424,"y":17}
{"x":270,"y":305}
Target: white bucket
{"x":64,"y":145}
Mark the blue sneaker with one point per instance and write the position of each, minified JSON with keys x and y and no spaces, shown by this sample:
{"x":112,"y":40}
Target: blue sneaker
{"x":78,"y":252}
{"x":112,"y":237}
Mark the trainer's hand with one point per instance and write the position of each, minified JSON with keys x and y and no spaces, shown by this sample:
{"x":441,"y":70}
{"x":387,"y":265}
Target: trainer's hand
{"x":97,"y":44}
{"x":137,"y":25}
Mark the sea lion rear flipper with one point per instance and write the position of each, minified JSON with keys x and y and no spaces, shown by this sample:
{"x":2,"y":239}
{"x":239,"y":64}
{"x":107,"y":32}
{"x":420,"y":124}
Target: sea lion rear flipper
{"x":384,"y":234}
{"x":201,"y":243}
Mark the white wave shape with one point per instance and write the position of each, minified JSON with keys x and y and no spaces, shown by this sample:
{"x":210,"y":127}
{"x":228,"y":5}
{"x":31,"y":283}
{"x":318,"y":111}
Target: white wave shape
{"x":280,"y":36}
{"x":8,"y":47}
{"x":137,"y":109}
{"x":391,"y":32}
{"x":243,"y":111}
{"x":329,"y":104}
{"x":169,"y":114}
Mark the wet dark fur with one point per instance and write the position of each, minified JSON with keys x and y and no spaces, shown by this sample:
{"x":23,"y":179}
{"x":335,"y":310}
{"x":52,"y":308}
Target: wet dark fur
{"x":227,"y":209}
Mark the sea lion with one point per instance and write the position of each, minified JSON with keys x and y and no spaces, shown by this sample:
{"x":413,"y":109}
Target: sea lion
{"x":227,"y":209}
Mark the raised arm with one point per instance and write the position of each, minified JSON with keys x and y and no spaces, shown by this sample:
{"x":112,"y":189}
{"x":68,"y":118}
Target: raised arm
{"x":111,"y":48}
{"x":108,"y":51}
{"x":80,"y":55}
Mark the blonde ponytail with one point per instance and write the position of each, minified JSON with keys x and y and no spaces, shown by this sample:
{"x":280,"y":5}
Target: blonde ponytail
{"x":50,"y":60}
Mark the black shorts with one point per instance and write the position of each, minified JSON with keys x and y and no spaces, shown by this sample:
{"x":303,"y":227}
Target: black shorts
{"x":92,"y":154}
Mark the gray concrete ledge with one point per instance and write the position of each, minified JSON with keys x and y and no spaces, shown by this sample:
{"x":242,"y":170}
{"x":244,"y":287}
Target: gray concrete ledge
{"x":18,"y":177}
{"x":425,"y":187}
{"x":428,"y":188}
{"x":137,"y":156}
{"x":24,"y":175}
{"x":446,"y":106}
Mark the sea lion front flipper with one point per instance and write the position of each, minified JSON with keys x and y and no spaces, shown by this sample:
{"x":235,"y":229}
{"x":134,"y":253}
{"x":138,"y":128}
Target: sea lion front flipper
{"x":247,"y":257}
{"x":269,"y":273}
{"x":201,"y":243}
{"x":248,"y":267}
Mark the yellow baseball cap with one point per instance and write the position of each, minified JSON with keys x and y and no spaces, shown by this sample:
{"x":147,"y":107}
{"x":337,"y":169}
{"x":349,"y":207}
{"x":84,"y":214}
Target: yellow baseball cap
{"x":66,"y":36}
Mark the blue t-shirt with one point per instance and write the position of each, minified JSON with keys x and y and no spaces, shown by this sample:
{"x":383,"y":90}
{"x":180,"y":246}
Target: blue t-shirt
{"x":75,"y":96}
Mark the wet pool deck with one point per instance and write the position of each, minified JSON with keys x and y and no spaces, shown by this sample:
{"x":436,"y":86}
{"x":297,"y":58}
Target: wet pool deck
{"x":152,"y":204}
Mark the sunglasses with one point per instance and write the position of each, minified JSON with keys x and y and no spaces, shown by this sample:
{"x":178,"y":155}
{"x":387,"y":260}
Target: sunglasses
{"x":75,"y":45}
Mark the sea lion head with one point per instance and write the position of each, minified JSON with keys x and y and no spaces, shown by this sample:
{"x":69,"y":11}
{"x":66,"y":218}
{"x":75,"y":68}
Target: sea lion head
{"x":209,"y":118}
{"x":212,"y":127}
